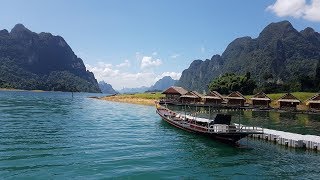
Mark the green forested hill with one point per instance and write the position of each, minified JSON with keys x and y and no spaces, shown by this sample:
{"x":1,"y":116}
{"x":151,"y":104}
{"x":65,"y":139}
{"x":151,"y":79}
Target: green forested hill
{"x":41,"y":61}
{"x":280,"y":52}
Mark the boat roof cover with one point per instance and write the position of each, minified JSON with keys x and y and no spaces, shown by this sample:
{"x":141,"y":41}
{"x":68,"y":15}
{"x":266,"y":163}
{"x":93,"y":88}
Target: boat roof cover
{"x":219,"y":119}
{"x":198,"y":119}
{"x":222,"y":119}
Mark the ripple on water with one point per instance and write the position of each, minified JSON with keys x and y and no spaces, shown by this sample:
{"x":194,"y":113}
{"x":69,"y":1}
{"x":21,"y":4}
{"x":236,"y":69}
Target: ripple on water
{"x":52,"y":135}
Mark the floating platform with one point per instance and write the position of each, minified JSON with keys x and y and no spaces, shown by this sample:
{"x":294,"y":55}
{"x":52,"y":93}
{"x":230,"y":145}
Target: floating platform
{"x":288,"y":139}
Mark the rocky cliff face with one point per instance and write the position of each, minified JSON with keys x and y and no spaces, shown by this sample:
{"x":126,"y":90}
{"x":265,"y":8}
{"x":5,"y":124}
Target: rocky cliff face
{"x":106,"y":88}
{"x":279,"y":50}
{"x":200,"y":73}
{"x":41,"y":61}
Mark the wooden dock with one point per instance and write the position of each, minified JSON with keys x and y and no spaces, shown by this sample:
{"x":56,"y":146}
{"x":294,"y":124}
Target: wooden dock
{"x":288,"y":139}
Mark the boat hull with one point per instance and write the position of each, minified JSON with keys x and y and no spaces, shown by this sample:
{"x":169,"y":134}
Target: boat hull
{"x":229,"y":138}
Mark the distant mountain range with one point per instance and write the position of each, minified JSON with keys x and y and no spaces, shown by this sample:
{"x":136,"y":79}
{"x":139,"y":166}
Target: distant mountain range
{"x":279,"y":50}
{"x":41,"y":61}
{"x":106,"y":88}
{"x":160,"y":85}
{"x":163,"y":84}
{"x":133,"y":90}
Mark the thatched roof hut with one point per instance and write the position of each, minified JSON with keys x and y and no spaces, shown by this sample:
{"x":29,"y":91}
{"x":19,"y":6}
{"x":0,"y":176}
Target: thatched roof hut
{"x":314,"y":102}
{"x":213,"y":98}
{"x":260,"y":99}
{"x":289,"y":101}
{"x":235,"y":99}
{"x":191,"y":97}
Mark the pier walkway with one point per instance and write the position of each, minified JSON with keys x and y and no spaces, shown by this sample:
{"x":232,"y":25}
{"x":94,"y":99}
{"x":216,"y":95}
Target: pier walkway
{"x":289,"y":139}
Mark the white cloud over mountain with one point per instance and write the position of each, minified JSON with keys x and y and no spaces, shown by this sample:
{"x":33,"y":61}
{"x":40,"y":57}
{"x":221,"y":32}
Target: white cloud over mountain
{"x":126,"y":63}
{"x":118,"y":78}
{"x":149,"y":62}
{"x":174,"y":75}
{"x":309,"y":10}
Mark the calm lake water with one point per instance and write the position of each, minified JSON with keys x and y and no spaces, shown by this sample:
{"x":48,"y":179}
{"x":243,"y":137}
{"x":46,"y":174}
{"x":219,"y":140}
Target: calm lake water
{"x":52,"y":135}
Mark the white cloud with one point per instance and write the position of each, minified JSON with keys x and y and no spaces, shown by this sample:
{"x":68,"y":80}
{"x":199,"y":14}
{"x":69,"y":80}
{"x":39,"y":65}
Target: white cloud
{"x":118,"y":79}
{"x":309,"y":10}
{"x":103,"y":70}
{"x":174,"y":56}
{"x":154,"y":53}
{"x":149,"y":62}
{"x":174,"y":75}
{"x":102,"y":64}
{"x":126,"y":63}
{"x":313,"y":11}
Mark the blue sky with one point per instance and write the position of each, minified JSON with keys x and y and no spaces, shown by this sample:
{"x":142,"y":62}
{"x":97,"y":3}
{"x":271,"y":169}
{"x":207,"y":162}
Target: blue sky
{"x":132,"y":43}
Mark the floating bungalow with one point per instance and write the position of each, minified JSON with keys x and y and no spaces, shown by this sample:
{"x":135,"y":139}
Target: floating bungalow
{"x":173,"y":94}
{"x":288,"y":101}
{"x":314,"y":102}
{"x":191,"y":97}
{"x":213,"y":98}
{"x":235,"y":99}
{"x":260,"y":100}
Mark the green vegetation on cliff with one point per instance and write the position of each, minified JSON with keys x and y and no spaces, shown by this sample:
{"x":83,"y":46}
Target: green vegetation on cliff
{"x":232,"y":82}
{"x":41,"y":61}
{"x":289,"y":56}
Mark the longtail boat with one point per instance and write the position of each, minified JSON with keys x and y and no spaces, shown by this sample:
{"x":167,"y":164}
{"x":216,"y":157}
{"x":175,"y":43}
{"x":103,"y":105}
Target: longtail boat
{"x":220,"y":128}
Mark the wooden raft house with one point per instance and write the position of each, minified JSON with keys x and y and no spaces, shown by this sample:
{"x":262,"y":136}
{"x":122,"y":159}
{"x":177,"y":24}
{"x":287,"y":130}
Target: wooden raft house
{"x":314,"y":102}
{"x":173,"y":94}
{"x":260,"y":100}
{"x":213,"y":98}
{"x":191,"y":97}
{"x":235,"y":99}
{"x":288,"y":101}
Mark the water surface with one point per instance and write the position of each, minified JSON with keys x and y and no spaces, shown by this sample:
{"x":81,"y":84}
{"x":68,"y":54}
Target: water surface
{"x":52,"y":135}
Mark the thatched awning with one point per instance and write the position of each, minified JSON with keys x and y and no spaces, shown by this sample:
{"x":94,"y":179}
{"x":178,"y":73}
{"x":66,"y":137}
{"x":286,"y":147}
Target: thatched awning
{"x":314,"y":102}
{"x":212,"y":97}
{"x":189,"y":96}
{"x":289,"y":100}
{"x":261,"y":99}
{"x":238,"y":98}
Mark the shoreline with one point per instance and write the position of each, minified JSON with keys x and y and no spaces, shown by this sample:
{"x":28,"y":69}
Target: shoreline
{"x":35,"y":90}
{"x":131,"y":99}
{"x":150,"y":101}
{"x":11,"y":89}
